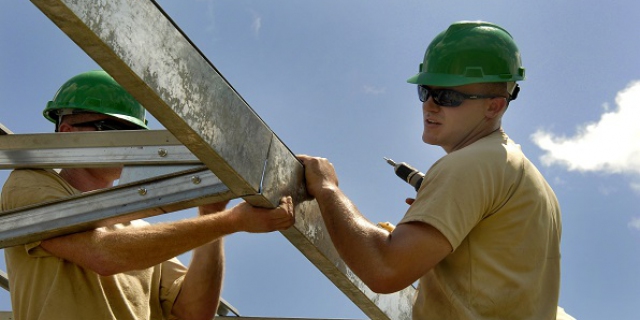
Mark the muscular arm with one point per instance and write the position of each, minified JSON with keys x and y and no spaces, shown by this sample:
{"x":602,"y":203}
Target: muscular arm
{"x":202,"y":285}
{"x":386,"y":262}
{"x":109,"y":252}
{"x":200,"y":292}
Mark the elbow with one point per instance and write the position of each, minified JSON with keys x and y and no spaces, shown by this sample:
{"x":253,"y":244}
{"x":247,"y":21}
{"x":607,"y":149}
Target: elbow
{"x":106,"y":269}
{"x":385,"y":282}
{"x":194,"y":312}
{"x":385,"y":286}
{"x":106,"y":265}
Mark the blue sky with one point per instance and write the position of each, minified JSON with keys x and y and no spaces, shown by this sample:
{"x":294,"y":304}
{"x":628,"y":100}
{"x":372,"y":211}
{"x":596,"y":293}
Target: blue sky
{"x":329,"y":77}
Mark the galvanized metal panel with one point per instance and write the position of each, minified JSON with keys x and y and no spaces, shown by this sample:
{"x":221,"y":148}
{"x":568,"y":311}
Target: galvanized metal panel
{"x":92,"y":149}
{"x":4,"y":130}
{"x":4,"y":280}
{"x":88,"y":139}
{"x":106,"y":207}
{"x":312,"y":239}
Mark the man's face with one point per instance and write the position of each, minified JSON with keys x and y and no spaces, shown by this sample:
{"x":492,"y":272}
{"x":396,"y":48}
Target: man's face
{"x":454,"y":127}
{"x":93,"y":122}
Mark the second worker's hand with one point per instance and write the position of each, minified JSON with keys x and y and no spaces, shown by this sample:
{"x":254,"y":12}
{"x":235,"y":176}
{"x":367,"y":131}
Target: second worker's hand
{"x":259,"y":220}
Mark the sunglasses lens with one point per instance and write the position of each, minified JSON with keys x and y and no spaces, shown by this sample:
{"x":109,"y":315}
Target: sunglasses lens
{"x":447,"y":98}
{"x":106,"y":125}
{"x":442,"y":97}
{"x":109,"y":126}
{"x":423,"y":93}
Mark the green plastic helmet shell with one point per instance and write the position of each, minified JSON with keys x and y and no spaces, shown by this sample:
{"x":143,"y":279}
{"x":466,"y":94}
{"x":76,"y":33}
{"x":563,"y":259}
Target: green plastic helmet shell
{"x":96,"y":91}
{"x":470,"y":52}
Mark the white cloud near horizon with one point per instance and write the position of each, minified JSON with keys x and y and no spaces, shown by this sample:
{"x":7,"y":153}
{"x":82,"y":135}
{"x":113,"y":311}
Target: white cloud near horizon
{"x":373,"y":90}
{"x":634,"y":223}
{"x":610,"y":145}
{"x":257,"y":24}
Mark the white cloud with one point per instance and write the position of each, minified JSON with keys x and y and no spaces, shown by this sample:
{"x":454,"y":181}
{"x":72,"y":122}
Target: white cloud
{"x":373,"y":90}
{"x":210,"y":14}
{"x":611,"y":145}
{"x":257,"y":24}
{"x":634,"y":223}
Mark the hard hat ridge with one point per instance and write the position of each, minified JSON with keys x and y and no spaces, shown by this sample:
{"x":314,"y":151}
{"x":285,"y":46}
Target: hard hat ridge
{"x":95,"y":91}
{"x":470,"y":52}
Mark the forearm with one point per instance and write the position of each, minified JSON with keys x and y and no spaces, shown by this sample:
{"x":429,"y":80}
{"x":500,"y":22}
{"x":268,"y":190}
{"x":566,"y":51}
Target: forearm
{"x":114,"y":251}
{"x":200,"y":292}
{"x":359,"y":242}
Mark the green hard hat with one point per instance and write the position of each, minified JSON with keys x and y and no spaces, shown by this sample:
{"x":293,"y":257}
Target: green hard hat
{"x":96,"y":91}
{"x":470,"y":52}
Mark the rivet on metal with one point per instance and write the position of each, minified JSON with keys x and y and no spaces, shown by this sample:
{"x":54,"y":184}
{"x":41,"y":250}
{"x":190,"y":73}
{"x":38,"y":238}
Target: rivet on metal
{"x":142,"y":191}
{"x":196,"y":180}
{"x":162,"y":152}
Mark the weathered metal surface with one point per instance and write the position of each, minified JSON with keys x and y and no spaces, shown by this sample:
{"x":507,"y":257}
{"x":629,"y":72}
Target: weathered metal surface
{"x":92,"y":149}
{"x":4,"y":280}
{"x":4,"y":130}
{"x":101,"y":208}
{"x":135,"y":43}
{"x":88,"y":139}
{"x":312,"y":239}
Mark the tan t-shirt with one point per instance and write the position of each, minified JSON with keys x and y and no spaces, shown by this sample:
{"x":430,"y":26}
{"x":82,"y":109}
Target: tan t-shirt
{"x":46,"y":287}
{"x":503,"y":221}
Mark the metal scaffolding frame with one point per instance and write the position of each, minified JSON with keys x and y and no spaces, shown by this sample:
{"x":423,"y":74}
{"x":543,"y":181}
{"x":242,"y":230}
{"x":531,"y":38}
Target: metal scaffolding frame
{"x":205,"y":155}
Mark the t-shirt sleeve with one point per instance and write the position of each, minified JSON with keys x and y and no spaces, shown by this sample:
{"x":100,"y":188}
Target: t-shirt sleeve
{"x":452,"y":198}
{"x":26,"y":187}
{"x":173,"y":272}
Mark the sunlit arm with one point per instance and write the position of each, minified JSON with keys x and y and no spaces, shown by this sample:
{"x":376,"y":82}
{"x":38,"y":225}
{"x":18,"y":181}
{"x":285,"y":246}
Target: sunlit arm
{"x":385,"y":262}
{"x":108,"y":252}
{"x":200,"y":292}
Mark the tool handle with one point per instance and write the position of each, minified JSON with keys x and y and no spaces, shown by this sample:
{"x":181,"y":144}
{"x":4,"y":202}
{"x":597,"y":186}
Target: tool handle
{"x":409,"y":174}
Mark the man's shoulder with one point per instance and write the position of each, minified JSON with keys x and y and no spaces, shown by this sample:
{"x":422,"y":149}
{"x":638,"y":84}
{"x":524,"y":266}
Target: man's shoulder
{"x":26,"y":177}
{"x":30,"y":186}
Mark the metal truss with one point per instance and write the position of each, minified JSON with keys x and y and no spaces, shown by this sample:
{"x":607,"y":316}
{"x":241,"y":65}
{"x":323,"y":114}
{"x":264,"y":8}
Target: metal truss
{"x":216,"y":146}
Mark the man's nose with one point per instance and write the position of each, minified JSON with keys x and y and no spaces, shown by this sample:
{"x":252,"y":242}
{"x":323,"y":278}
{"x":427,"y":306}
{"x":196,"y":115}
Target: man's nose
{"x":430,"y":105}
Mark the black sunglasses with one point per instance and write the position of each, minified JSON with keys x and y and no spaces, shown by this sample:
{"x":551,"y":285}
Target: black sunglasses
{"x":106,"y":125}
{"x":447,"y":97}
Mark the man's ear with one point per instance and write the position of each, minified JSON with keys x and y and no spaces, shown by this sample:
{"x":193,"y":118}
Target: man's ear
{"x":65,"y":127}
{"x":496,"y":107}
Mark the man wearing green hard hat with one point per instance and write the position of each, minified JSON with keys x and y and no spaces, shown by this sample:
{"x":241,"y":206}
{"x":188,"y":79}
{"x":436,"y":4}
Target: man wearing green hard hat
{"x":127,"y":270}
{"x":96,"y":92}
{"x":482,"y":236}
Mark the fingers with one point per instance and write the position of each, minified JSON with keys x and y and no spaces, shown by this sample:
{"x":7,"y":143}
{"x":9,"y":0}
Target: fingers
{"x":409,"y":201}
{"x":319,"y":173}
{"x":284,"y":215}
{"x":259,"y":220}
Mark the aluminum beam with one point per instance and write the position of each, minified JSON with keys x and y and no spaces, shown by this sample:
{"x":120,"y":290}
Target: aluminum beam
{"x":4,"y":280}
{"x":183,"y":90}
{"x":105,"y":207}
{"x":92,"y":149}
{"x":4,"y":130}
